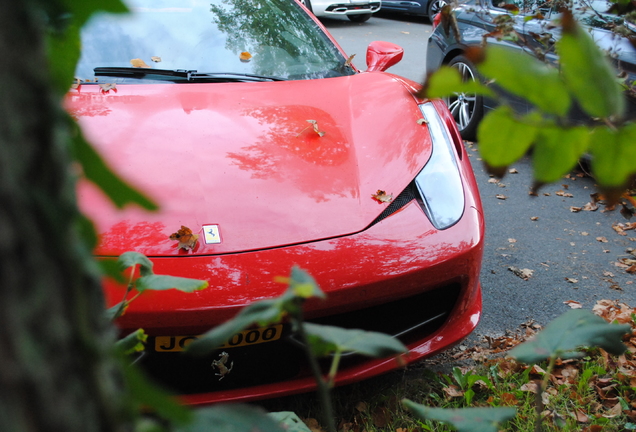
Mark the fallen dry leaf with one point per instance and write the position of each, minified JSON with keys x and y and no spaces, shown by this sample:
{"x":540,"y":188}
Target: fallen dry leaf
{"x":573,"y":304}
{"x":575,"y":209}
{"x":602,"y":239}
{"x":493,"y":180}
{"x":349,"y":60}
{"x":511,"y":240}
{"x":524,"y":274}
{"x":107,"y":86}
{"x":314,"y":125}
{"x":186,"y":239}
{"x":156,"y":59}
{"x":138,"y":63}
{"x":590,"y":207}
{"x":381,"y":196}
{"x":513,"y":171}
{"x":571,"y":280}
{"x":422,"y":121}
{"x":534,"y":218}
{"x":564,"y":194}
{"x":313,"y":425}
{"x":501,"y":197}
{"x":581,"y":417}
{"x":245,"y":56}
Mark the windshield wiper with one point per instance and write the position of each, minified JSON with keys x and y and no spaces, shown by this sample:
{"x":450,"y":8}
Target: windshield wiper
{"x":134,"y":72}
{"x":181,"y":74}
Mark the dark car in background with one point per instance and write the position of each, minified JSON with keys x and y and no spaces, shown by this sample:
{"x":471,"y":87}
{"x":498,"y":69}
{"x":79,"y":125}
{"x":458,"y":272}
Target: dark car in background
{"x":428,"y":8}
{"x":477,"y":18}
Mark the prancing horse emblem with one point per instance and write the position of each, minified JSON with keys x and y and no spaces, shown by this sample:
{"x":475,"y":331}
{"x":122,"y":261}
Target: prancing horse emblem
{"x":222,"y":365}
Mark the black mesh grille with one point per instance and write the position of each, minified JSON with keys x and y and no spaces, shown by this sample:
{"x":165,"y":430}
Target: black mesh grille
{"x":407,"y":195}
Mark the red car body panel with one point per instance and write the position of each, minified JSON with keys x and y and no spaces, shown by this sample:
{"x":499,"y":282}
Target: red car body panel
{"x":244,"y":156}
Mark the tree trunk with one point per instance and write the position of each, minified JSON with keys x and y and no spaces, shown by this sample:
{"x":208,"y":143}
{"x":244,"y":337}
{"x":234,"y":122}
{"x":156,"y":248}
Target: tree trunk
{"x":55,"y":369}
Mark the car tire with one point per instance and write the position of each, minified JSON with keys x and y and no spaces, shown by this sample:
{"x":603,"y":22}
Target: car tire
{"x":360,"y":17}
{"x":434,"y":7}
{"x":307,"y":4}
{"x":467,"y":109}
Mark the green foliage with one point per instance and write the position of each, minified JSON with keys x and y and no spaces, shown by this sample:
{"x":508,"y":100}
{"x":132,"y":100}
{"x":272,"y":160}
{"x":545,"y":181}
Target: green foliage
{"x":289,"y":421}
{"x":588,"y":73}
{"x":133,"y":259}
{"x":326,"y":340}
{"x":614,"y":154}
{"x":65,"y":18}
{"x":164,"y":282}
{"x":464,"y":419}
{"x":447,"y":81}
{"x":143,"y":394}
{"x":557,"y":151}
{"x":564,"y":336}
{"x":233,"y":418}
{"x":134,"y":342}
{"x":503,"y":139}
{"x":147,"y":281}
{"x":265,"y":312}
{"x":526,"y":76}
{"x":584,"y":75}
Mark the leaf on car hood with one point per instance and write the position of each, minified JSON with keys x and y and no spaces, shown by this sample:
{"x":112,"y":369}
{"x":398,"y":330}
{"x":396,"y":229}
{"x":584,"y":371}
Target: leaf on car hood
{"x":382,"y":196}
{"x":186,"y":239}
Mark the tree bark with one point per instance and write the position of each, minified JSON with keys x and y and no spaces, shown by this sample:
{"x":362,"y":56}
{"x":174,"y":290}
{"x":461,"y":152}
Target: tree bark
{"x":56,"y":373}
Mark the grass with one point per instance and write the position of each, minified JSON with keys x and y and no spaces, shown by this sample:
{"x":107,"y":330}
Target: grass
{"x":594,"y":393}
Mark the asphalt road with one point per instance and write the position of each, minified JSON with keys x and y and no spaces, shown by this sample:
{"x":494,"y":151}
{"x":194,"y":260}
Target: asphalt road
{"x":560,"y":246}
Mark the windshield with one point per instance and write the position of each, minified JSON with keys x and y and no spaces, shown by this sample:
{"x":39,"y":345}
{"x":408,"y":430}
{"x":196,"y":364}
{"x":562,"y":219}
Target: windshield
{"x":268,"y":38}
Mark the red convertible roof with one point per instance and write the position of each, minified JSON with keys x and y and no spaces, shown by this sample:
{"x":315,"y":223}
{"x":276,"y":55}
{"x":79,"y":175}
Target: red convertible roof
{"x":258,"y":165}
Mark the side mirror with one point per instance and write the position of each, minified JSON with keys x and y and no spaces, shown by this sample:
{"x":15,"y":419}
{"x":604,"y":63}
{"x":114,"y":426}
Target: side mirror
{"x":382,"y":55}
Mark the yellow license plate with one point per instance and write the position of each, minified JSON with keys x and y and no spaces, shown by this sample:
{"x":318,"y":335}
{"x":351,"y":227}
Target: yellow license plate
{"x":244,"y":338}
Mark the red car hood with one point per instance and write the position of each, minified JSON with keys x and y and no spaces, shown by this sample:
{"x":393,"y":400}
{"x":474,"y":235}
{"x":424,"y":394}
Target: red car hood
{"x":244,"y":157}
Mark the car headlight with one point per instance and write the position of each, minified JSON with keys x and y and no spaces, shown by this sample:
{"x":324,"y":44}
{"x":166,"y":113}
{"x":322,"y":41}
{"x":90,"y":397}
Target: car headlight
{"x":439,"y":183}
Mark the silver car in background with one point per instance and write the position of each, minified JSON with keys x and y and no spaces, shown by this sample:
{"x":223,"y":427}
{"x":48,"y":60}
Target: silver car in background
{"x":355,"y":10}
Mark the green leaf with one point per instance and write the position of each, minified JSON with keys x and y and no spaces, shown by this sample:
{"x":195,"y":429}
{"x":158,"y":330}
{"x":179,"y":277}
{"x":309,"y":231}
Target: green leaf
{"x":557,"y":151}
{"x":86,"y":230}
{"x":162,"y":283}
{"x":447,"y":81}
{"x":570,"y":331}
{"x":63,"y":54}
{"x":263,"y":313}
{"x":132,"y":343}
{"x":589,"y":74}
{"x":96,"y":170}
{"x":302,"y":284}
{"x":464,"y":419}
{"x":328,"y":339}
{"x":231,"y":418}
{"x":146,"y":394}
{"x":111,"y":312}
{"x":502,"y":138}
{"x":131,"y":259}
{"x":290,"y":421}
{"x":614,"y":155}
{"x":111,"y":268}
{"x":82,"y":10}
{"x":524,"y":75}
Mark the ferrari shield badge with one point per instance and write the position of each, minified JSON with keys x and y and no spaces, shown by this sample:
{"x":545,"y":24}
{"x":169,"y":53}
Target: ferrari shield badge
{"x":221,"y":365}
{"x":211,"y":234}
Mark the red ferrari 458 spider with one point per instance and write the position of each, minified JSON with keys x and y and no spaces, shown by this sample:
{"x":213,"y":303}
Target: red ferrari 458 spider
{"x":249,"y":126}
